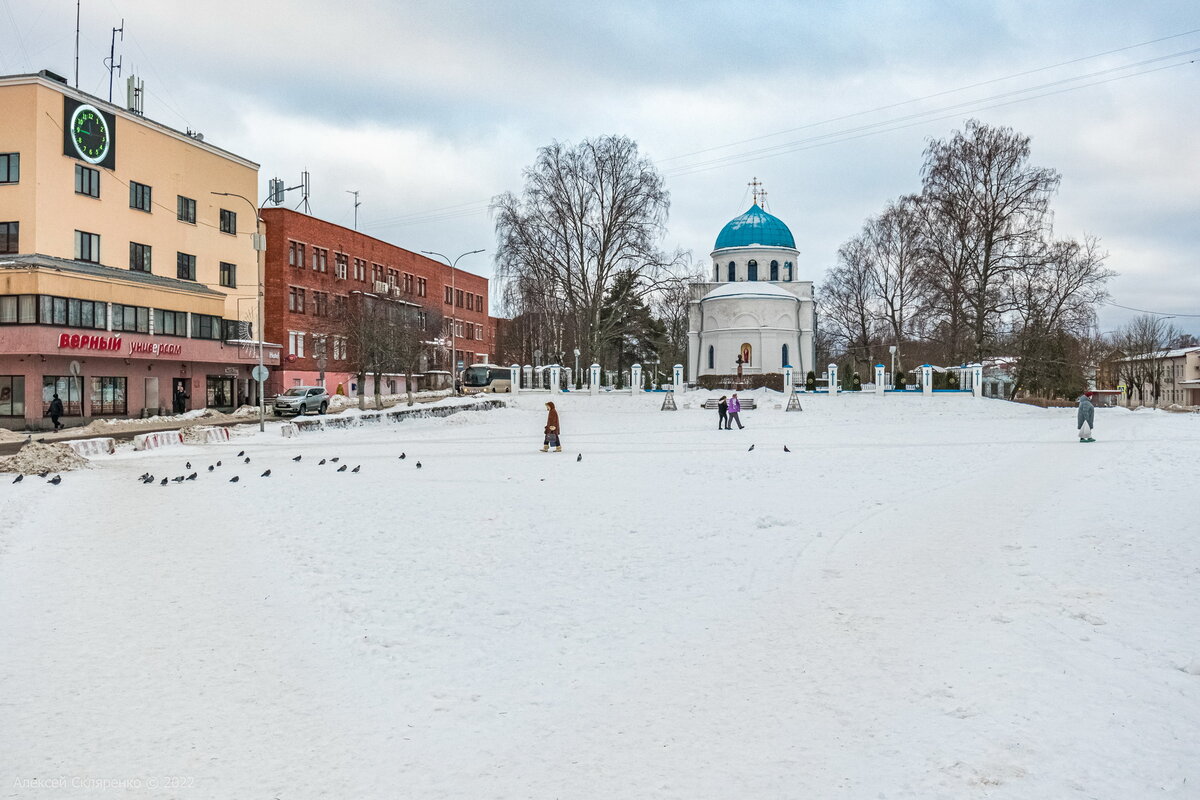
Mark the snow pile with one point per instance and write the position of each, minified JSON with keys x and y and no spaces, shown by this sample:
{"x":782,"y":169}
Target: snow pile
{"x":12,"y":436}
{"x":107,"y":426}
{"x":38,"y":457}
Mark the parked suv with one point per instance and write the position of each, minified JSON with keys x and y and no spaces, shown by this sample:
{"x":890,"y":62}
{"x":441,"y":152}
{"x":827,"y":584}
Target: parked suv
{"x":301,"y":400}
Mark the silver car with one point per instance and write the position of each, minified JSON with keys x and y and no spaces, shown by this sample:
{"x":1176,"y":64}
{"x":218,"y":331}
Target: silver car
{"x":302,"y":400}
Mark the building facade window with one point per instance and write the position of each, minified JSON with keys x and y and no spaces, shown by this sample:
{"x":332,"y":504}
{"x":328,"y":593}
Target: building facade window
{"x":185,"y":209}
{"x":360,"y":270}
{"x":22,"y":309}
{"x":320,"y":259}
{"x":9,"y":238}
{"x":87,"y":181}
{"x":408,"y":283}
{"x":68,"y":389}
{"x":340,"y":264}
{"x":228,"y":221}
{"x":108,"y":396}
{"x":479,"y":302}
{"x":10,"y":170}
{"x":185,"y":267}
{"x":339,"y":348}
{"x":732,"y":272}
{"x":752,"y":270}
{"x":206,"y":326}
{"x":295,"y":300}
{"x":378,"y":273}
{"x":295,"y":254}
{"x":296,"y":344}
{"x":170,"y":323}
{"x":320,"y":304}
{"x":87,"y":246}
{"x":130,"y":319}
{"x":49,"y":310}
{"x":711,"y":357}
{"x":449,"y":296}
{"x":339,"y":306}
{"x":783,"y":357}
{"x":422,"y":287}
{"x":12,"y":395}
{"x":393,"y":278}
{"x":229,"y":275}
{"x":470,"y":302}
{"x":716,"y":272}
{"x":139,"y":257}
{"x":139,"y":196}
{"x":787,"y":270}
{"x":774,"y":270}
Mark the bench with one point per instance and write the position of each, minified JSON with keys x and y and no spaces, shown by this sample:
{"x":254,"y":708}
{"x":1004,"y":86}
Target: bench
{"x":747,"y":405}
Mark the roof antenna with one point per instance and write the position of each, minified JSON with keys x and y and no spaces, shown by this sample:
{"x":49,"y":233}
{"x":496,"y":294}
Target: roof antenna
{"x":356,"y":205}
{"x":77,"y":43}
{"x":110,"y":61}
{"x":754,"y":184}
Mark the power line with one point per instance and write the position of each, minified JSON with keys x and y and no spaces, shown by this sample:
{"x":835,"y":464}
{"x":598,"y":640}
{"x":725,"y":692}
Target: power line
{"x":1144,"y":311}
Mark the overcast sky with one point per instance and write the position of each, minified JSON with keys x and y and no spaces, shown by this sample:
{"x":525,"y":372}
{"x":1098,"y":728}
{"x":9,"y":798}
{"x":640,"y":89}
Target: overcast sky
{"x":430,"y":109}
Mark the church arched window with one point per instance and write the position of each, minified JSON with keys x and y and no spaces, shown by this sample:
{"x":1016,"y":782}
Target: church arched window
{"x":774,"y":270}
{"x":732,"y":272}
{"x":784,"y":358}
{"x":752,"y":270}
{"x":787,"y":270}
{"x":710,"y":356}
{"x":716,"y":271}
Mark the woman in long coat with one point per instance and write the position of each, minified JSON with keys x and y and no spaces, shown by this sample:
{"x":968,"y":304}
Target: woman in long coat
{"x":552,"y":430}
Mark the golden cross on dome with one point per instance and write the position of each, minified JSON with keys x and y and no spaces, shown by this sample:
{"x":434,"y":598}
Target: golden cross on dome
{"x":754,"y":185}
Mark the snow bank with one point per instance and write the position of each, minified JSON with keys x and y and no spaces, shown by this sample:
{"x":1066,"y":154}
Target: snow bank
{"x":38,"y":457}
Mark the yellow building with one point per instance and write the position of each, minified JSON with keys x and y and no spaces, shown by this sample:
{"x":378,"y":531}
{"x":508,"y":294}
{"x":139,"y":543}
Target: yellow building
{"x":111,"y":230}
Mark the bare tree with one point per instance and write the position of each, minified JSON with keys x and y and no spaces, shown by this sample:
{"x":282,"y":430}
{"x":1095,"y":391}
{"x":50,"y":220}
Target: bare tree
{"x":1145,"y":341}
{"x":892,"y":259}
{"x":989,"y":208}
{"x":586,"y":213}
{"x":670,"y":306}
{"x":848,"y":301}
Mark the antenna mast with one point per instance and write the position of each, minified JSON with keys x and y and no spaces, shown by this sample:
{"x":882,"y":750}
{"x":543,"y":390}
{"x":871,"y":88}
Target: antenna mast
{"x":77,"y":43}
{"x":304,"y":187}
{"x":356,"y":205}
{"x":109,"y":62}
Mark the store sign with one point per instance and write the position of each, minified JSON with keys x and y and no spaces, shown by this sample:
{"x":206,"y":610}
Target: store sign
{"x":83,"y":341}
{"x":77,"y":341}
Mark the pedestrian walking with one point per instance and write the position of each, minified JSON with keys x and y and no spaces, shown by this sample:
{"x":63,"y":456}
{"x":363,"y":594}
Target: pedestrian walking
{"x":722,"y":410}
{"x":552,"y":430}
{"x":56,"y":411}
{"x":181,"y":398}
{"x":735,"y":408}
{"x":1085,"y":418}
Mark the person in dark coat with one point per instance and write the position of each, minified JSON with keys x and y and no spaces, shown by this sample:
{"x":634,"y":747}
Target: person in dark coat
{"x":722,"y":409}
{"x":552,"y":430}
{"x":1085,"y":418}
{"x":56,"y":411}
{"x":181,"y":398}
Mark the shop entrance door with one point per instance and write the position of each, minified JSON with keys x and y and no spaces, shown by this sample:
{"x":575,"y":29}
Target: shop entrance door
{"x":151,"y":405}
{"x":179,"y":385}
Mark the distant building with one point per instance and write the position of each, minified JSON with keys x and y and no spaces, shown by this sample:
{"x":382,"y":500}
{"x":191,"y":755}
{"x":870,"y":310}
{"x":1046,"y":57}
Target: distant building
{"x":314,"y":267}
{"x":1177,"y":372}
{"x":117,"y":259}
{"x":755,"y":309}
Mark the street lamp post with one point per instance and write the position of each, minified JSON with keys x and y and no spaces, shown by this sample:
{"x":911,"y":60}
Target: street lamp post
{"x":259,"y":246}
{"x":452,"y":265}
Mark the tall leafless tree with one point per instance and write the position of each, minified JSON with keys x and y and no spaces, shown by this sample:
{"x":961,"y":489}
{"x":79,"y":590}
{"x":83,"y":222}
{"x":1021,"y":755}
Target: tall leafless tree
{"x":848,"y":302}
{"x":585,"y":214}
{"x":892,"y":259}
{"x":1145,"y":341}
{"x":993,"y":204}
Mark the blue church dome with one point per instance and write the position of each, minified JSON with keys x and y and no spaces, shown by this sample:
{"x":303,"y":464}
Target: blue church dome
{"x":755,"y":227}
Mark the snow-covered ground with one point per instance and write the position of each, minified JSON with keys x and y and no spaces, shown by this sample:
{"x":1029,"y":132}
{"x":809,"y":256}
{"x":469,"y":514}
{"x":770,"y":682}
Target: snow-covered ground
{"x":925,"y":598}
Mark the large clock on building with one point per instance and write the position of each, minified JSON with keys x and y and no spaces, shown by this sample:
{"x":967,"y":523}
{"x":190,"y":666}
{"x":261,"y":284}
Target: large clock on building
{"x":89,"y":133}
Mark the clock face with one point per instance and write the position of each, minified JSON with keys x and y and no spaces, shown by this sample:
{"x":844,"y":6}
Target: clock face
{"x":90,"y":134}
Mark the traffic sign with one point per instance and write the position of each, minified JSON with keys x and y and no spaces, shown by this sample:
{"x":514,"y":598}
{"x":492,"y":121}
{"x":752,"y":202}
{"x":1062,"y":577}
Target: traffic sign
{"x":75,"y":368}
{"x":260,"y":373}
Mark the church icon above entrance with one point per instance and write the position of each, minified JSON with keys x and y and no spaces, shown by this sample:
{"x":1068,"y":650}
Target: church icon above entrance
{"x":755,"y":313}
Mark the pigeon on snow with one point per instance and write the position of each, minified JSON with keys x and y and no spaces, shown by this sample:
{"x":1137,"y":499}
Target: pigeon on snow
{"x":297,"y":458}
{"x":234,"y":479}
{"x":266,"y":474}
{"x":356,"y":469}
{"x":579,"y":457}
{"x":188,"y":465}
{"x":319,"y":463}
{"x":19,"y":478}
{"x":785,"y":449}
{"x":56,"y":480}
{"x":418,"y":465}
{"x":191,"y":477}
{"x":342,"y":468}
{"x":402,"y":456}
{"x":751,"y":448}
{"x":164,"y":482}
{"x":241,"y":453}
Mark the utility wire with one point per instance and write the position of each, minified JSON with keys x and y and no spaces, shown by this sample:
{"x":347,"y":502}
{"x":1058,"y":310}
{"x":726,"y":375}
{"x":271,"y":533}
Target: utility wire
{"x":1144,"y":311}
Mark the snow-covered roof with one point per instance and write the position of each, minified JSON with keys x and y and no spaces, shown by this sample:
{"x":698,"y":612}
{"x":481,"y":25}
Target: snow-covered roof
{"x":756,"y":289}
{"x":1179,"y":352}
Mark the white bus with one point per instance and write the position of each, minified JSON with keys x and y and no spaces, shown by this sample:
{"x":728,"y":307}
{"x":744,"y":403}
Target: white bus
{"x":486,"y":378}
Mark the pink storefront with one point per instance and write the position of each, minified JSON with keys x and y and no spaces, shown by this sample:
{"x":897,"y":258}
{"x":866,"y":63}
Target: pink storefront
{"x":98,"y":373}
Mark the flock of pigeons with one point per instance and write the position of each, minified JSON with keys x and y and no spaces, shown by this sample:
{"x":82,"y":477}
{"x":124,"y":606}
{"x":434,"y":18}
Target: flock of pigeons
{"x":148,"y":478}
{"x":56,"y":480}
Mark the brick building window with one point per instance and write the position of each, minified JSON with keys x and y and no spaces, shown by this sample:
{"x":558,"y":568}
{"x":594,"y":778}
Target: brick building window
{"x":139,"y":257}
{"x":139,"y":196}
{"x":458,"y":298}
{"x":320,"y":304}
{"x":320,"y":259}
{"x":295,"y":254}
{"x":449,"y":296}
{"x":422,"y":287}
{"x":393,"y":278}
{"x":479,"y":302}
{"x":228,"y":221}
{"x":185,"y":267}
{"x":360,"y":270}
{"x":296,"y":344}
{"x":339,"y":306}
{"x":295,"y":300}
{"x":229,"y":275}
{"x":185,"y":209}
{"x":340,"y":263}
{"x":378,"y":273}
{"x":408,"y":283}
{"x":339,"y":348}
{"x":470,"y":302}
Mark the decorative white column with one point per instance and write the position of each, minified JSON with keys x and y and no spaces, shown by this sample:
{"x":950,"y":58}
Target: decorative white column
{"x":977,"y":380}
{"x":679,"y":385}
{"x":515,"y":376}
{"x":879,"y":379}
{"x":528,"y":371}
{"x":926,"y":380}
{"x":788,"y":385}
{"x":594,"y":370}
{"x":832,"y":380}
{"x":635,"y":378}
{"x":555,"y":378}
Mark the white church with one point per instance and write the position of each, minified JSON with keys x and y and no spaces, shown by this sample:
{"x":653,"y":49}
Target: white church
{"x":755,"y":312}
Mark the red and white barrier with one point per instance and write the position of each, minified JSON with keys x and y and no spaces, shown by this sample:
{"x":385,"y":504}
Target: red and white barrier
{"x":89,"y":448}
{"x":287,"y":430}
{"x":207,"y":435}
{"x":152,"y":441}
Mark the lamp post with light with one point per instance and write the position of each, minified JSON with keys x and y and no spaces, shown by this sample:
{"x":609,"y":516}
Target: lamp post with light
{"x":452,"y":265}
{"x":260,"y":245}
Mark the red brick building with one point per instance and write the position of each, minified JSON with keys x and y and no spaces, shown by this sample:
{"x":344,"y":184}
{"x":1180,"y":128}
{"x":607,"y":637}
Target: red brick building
{"x":312,"y":268}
